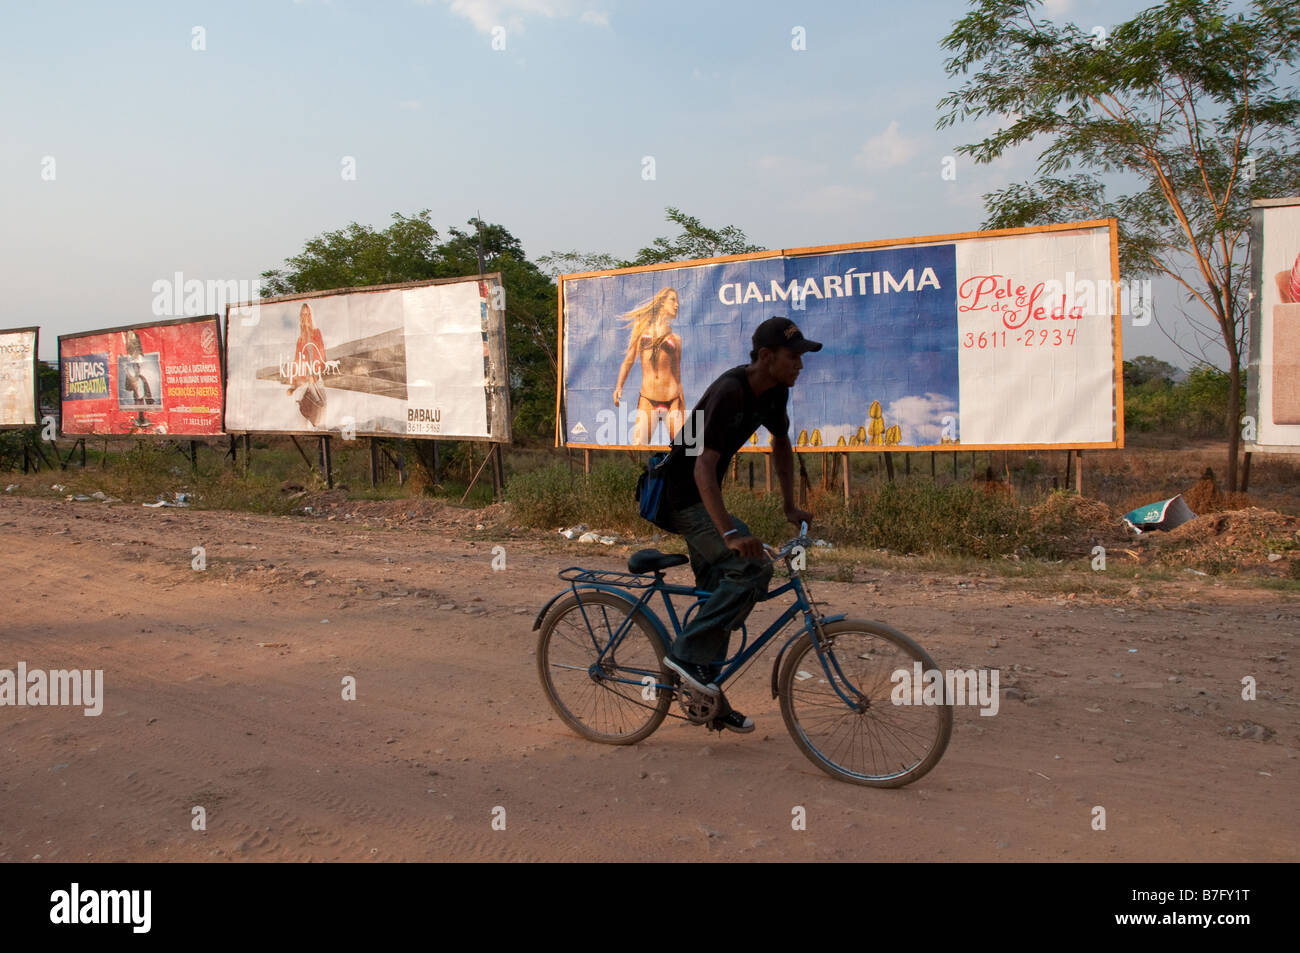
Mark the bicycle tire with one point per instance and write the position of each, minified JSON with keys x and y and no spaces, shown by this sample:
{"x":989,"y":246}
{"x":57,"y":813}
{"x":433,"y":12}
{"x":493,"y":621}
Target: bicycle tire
{"x":598,"y":709}
{"x":911,"y":739}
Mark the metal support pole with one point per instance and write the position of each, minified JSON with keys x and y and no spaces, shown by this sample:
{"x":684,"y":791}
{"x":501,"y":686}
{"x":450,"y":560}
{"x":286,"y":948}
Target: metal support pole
{"x":498,"y":474}
{"x":326,"y":464}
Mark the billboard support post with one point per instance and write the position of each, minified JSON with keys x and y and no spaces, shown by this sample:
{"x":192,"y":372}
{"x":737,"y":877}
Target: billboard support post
{"x":498,"y":474}
{"x":1245,"y":473}
{"x":297,"y":446}
{"x":326,"y":464}
{"x":477,"y":473}
{"x":374,"y":464}
{"x":34,"y":444}
{"x":81,"y":442}
{"x":1078,"y":472}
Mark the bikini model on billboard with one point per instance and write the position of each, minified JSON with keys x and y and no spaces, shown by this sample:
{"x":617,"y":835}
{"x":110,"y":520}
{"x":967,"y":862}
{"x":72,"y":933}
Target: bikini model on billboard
{"x":661,"y":366}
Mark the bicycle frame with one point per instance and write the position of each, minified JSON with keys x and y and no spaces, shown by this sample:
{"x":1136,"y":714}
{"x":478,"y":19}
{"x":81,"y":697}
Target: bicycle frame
{"x":618,"y":583}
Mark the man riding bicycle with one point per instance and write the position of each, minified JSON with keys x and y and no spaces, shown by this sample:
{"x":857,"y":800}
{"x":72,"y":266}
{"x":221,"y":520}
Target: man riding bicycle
{"x":726,"y":559}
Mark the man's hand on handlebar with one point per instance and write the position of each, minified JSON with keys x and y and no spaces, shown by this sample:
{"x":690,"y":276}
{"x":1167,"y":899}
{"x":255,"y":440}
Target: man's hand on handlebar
{"x":747,"y":546}
{"x":797,"y":516}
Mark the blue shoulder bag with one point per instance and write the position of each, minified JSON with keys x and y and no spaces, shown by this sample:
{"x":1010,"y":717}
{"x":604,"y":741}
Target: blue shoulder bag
{"x":652,"y":493}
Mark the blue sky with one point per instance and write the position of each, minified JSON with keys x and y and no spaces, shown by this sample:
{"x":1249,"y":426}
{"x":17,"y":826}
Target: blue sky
{"x":220,"y":162}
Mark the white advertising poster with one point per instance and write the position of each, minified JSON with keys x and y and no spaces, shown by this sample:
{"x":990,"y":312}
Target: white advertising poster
{"x":1274,"y":369}
{"x":18,"y":377}
{"x":1037,"y":371}
{"x":410,"y":361}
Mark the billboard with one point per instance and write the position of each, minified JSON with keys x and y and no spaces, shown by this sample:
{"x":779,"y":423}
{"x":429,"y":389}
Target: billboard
{"x":1006,"y":339}
{"x":1273,"y":371}
{"x":160,"y":378}
{"x":424,"y":359}
{"x":19,"y":402}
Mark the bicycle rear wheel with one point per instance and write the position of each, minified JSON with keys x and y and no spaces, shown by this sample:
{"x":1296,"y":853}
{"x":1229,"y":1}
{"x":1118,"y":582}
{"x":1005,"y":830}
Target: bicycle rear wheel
{"x":602,"y":699}
{"x":874,"y":742}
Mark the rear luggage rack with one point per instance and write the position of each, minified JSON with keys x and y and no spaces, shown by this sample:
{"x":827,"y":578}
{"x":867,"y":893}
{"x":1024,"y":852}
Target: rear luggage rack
{"x":607,"y":577}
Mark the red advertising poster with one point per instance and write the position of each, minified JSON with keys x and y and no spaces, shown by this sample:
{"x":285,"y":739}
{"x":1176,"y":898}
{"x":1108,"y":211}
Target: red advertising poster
{"x":160,"y":378}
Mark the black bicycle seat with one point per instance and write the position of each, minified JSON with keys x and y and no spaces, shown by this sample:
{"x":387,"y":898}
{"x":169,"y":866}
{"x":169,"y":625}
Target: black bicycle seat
{"x":651,"y":560}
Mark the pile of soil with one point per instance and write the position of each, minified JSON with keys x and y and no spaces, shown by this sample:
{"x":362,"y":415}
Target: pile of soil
{"x":1206,"y":497}
{"x":1230,"y":542}
{"x":1068,"y":525}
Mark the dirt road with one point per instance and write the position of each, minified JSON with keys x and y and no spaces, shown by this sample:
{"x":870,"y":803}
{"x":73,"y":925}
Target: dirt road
{"x":223,"y":691}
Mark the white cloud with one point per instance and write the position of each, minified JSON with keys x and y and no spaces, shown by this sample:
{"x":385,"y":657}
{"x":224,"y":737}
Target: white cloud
{"x":836,"y":197}
{"x":920,"y":418}
{"x":886,"y":150}
{"x":788,"y":166}
{"x":511,"y":14}
{"x":411,"y":104}
{"x":1057,"y":8}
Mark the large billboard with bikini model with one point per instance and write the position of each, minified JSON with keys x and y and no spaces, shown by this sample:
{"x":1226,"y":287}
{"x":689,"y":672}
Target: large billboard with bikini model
{"x":1004,"y":339}
{"x":423,"y":359}
{"x":1273,"y":373}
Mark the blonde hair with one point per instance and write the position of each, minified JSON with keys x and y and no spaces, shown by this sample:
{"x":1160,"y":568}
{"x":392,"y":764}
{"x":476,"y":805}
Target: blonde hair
{"x":641,"y":319}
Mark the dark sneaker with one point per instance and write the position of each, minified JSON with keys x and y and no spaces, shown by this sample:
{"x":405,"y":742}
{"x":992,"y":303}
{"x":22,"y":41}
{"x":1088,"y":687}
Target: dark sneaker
{"x":697,"y":677}
{"x":734,"y":721}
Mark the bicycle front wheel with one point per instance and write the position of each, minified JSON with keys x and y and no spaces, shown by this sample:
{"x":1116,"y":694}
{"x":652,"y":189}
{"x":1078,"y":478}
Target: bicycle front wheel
{"x":608,"y":698}
{"x":873,"y":741}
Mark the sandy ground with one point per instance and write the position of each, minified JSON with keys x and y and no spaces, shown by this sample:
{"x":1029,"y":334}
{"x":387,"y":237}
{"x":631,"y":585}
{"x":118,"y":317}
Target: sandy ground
{"x":223,"y":690}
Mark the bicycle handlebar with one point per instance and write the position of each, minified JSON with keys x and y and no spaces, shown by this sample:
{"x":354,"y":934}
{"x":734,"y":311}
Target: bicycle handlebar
{"x":784,"y":551}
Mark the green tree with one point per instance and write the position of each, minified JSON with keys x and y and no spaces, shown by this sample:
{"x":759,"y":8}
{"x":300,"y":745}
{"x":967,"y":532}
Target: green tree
{"x":695,"y":240}
{"x":1182,"y":101}
{"x":1142,"y":369}
{"x":358,"y":255}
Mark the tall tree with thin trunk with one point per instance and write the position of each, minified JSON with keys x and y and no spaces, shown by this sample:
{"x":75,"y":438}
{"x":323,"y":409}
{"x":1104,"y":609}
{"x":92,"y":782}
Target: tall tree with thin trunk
{"x":1174,"y":121}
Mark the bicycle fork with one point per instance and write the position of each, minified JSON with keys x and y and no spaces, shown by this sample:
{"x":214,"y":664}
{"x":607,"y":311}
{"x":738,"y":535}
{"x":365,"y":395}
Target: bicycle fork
{"x":849,"y":693}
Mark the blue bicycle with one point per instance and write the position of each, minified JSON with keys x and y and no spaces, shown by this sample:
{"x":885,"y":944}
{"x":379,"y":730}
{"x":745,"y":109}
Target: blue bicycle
{"x":600,"y":654}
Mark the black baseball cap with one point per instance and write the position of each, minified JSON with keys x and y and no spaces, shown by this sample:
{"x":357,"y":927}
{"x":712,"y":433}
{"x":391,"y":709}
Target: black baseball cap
{"x":782,"y":332}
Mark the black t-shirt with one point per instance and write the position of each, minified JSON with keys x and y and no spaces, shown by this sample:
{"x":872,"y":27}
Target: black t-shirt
{"x":731,"y":412}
